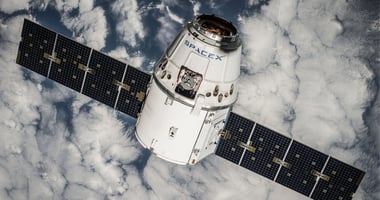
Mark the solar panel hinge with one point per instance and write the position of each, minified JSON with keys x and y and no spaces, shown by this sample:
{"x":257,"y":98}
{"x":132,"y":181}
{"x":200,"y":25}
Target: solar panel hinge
{"x":282,"y":163}
{"x":122,"y":85}
{"x":225,"y":134}
{"x":320,"y":175}
{"x":86,"y":69}
{"x":140,"y":96}
{"x":249,"y":146}
{"x":52,"y":58}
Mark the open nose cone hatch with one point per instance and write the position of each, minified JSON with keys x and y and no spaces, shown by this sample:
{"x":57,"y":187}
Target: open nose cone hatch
{"x":215,"y":31}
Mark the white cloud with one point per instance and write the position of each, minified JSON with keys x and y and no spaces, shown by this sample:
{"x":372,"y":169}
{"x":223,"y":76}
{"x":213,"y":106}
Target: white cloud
{"x":19,"y":105}
{"x":213,"y":4}
{"x":89,"y":25}
{"x":196,"y":7}
{"x":253,"y":2}
{"x":103,"y":147}
{"x":173,"y":16}
{"x":40,"y":4}
{"x":85,"y":5}
{"x":260,"y":42}
{"x":214,"y":178}
{"x":8,"y":29}
{"x":281,"y":12}
{"x":121,"y":53}
{"x":305,"y":77}
{"x":289,"y":60}
{"x":129,"y":25}
{"x":301,"y":71}
{"x":167,"y":31}
{"x":66,"y":5}
{"x":271,"y":60}
{"x":320,"y":17}
{"x":13,"y":6}
{"x":34,"y":127}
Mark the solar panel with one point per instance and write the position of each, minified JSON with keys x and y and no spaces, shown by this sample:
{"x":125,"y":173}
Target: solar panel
{"x":341,"y":181}
{"x":99,"y":83}
{"x":286,"y":161}
{"x":270,"y":146}
{"x":82,"y":69}
{"x":133,"y":91}
{"x":73,"y":61}
{"x":234,"y":138}
{"x":36,"y":45}
{"x":304,"y":161}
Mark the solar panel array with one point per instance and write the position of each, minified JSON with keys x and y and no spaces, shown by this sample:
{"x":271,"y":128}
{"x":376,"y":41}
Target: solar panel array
{"x":286,"y":161}
{"x":82,"y":69}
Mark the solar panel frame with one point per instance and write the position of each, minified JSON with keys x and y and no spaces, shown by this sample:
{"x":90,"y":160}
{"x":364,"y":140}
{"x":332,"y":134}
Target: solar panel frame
{"x":36,"y":42}
{"x":73,"y":56}
{"x":238,"y":129}
{"x":343,"y":181}
{"x":269,"y":145}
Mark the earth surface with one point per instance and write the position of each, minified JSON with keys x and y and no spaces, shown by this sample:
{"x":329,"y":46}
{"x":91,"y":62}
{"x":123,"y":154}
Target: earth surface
{"x":309,"y":69}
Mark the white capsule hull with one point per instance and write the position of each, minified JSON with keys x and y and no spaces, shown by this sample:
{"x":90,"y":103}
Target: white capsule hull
{"x":192,"y":90}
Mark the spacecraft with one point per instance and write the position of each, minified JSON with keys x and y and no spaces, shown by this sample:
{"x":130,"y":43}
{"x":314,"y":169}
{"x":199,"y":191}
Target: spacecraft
{"x":183,"y":108}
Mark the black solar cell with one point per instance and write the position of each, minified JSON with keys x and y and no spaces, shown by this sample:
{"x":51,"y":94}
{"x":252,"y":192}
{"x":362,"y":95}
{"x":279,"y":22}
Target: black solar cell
{"x":82,"y":69}
{"x":237,"y":131}
{"x":286,"y":161}
{"x":99,"y":83}
{"x":133,"y":91}
{"x":304,"y":160}
{"x":36,"y":45}
{"x":71,"y":69}
{"x":343,"y":181}
{"x":269,"y":145}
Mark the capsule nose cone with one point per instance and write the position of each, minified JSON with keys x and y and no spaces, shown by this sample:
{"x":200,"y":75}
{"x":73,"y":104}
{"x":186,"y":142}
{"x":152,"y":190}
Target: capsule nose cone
{"x":223,"y":33}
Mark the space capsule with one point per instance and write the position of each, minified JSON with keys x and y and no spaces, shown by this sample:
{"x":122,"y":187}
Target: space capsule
{"x":193,"y":88}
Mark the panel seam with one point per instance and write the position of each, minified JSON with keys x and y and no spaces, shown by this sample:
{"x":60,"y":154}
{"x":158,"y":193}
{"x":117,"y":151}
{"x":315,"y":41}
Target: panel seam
{"x":249,"y":138}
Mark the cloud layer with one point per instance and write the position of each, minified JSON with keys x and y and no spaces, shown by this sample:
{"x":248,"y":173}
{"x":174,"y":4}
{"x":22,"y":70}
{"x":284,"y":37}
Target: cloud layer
{"x":303,"y":73}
